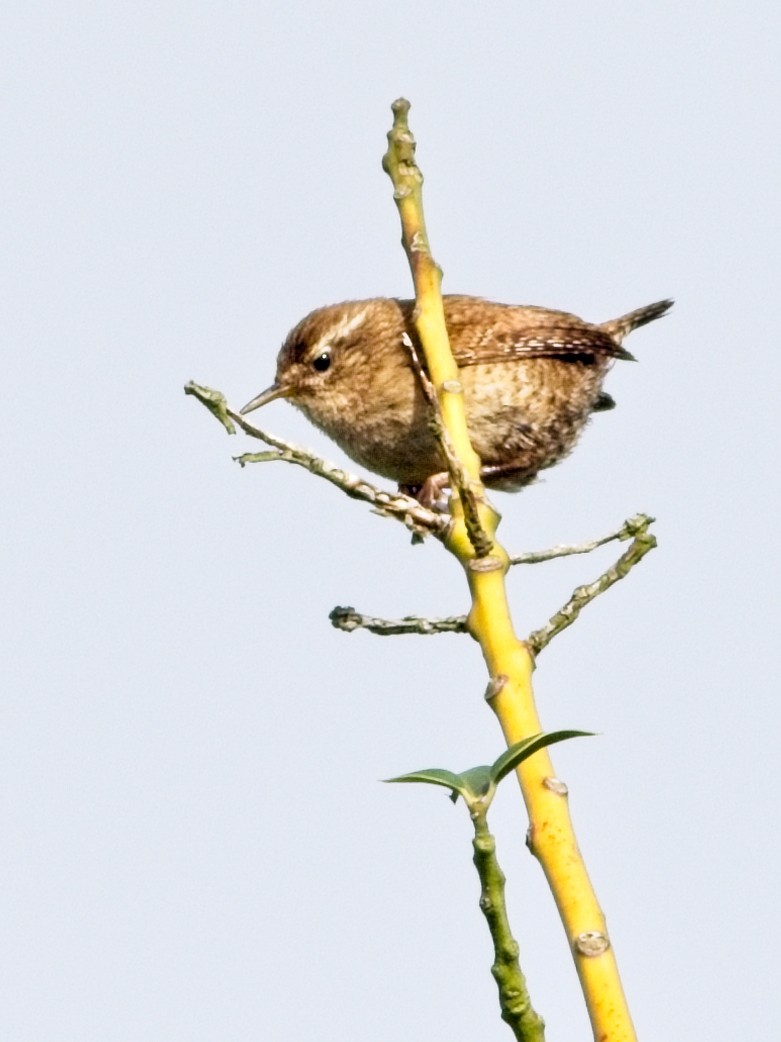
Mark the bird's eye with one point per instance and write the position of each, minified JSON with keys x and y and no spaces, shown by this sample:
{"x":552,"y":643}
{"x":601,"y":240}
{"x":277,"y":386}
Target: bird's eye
{"x":322,"y":362}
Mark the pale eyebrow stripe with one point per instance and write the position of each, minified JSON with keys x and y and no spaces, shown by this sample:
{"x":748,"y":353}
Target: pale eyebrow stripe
{"x":338,"y":332}
{"x":346,"y":327}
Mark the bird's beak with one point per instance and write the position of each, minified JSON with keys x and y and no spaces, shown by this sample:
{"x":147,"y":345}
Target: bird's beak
{"x":275,"y":391}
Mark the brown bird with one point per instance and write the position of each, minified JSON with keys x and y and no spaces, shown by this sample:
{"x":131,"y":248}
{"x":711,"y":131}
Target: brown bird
{"x":531,"y":379}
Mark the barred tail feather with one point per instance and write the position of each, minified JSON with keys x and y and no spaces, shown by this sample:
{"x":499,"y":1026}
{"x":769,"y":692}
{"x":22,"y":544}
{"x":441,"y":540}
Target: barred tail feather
{"x":618,"y":328}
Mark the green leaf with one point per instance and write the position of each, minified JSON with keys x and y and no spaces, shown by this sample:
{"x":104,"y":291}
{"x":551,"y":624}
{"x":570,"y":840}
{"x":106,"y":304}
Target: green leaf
{"x":433,"y":776}
{"x":478,"y":782}
{"x":475,"y":785}
{"x":521,"y":751}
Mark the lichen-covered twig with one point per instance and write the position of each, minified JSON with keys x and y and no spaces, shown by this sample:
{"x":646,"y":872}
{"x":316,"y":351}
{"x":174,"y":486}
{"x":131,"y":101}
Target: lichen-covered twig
{"x":402,"y":508}
{"x":630,"y":528}
{"x":348,"y":619}
{"x":641,"y":544}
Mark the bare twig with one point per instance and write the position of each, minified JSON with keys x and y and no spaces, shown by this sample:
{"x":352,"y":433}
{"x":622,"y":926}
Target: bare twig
{"x":348,"y":619}
{"x":630,"y":528}
{"x":583,"y":595}
{"x":402,"y":508}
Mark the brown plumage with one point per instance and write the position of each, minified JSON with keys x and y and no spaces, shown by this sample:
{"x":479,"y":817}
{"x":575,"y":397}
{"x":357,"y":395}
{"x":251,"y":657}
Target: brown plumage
{"x":531,"y":379}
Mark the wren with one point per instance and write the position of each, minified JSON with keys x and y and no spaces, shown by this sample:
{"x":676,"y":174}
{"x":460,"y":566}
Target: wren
{"x":531,"y":377}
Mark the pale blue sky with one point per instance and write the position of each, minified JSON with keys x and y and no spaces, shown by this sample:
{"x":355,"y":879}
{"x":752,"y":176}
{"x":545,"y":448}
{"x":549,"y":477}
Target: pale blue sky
{"x":196,"y":847}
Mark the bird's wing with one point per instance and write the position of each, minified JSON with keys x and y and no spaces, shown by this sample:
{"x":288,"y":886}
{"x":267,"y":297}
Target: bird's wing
{"x":586,"y":345}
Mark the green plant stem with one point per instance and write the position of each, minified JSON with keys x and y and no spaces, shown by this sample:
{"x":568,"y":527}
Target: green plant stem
{"x":517,"y":1011}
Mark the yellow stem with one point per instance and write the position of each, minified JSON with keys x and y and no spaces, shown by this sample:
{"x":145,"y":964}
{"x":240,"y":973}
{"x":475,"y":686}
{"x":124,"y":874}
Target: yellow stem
{"x":510,"y":663}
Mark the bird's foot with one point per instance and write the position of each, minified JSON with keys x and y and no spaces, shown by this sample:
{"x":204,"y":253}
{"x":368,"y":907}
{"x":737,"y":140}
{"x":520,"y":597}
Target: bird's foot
{"x":431,"y":494}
